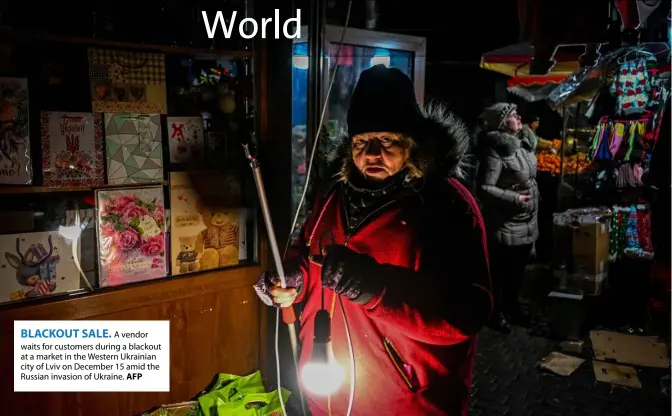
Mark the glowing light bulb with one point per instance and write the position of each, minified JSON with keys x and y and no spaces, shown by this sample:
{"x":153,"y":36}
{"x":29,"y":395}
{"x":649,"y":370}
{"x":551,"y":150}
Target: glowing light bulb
{"x":323,"y":378}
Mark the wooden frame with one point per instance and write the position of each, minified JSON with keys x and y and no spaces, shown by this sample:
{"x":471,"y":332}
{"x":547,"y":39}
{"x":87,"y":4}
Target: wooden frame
{"x":217,"y":324}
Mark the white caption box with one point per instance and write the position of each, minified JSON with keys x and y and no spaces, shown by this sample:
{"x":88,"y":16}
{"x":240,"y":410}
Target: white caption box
{"x":88,"y":356}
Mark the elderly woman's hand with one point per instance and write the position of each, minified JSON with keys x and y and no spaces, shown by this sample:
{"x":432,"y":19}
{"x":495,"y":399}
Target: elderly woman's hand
{"x":283,"y":297}
{"x":270,"y":291}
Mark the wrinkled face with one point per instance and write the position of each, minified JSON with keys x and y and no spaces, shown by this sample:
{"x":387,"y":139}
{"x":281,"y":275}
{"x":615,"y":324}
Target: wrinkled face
{"x":512,"y":122}
{"x":379,"y":155}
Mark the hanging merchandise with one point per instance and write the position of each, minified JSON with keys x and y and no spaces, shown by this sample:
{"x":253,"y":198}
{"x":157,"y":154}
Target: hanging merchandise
{"x":659,"y":90}
{"x":626,"y":140}
{"x":617,"y":229}
{"x":644,"y":229}
{"x":628,"y":175}
{"x":632,"y":84}
{"x":630,"y":232}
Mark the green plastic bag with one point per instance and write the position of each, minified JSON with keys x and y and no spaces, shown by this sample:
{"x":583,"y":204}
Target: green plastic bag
{"x":241,"y":396}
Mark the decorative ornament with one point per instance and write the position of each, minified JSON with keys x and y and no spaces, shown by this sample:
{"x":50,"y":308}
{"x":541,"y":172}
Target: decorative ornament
{"x":227,"y":101}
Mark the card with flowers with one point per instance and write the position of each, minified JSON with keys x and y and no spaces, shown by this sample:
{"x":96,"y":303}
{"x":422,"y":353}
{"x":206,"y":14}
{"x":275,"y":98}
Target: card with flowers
{"x":131,"y":235}
{"x":72,"y":149}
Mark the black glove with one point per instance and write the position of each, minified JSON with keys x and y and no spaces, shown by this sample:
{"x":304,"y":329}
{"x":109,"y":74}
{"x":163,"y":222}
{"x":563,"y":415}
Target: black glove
{"x":353,"y":275}
{"x":267,"y":281}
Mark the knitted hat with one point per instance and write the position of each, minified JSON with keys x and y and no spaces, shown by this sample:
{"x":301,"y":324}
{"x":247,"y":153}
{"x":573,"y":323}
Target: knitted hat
{"x":383,"y":100}
{"x":493,"y":117}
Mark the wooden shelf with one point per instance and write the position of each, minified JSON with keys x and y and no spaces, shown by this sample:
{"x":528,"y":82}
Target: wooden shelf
{"x":19,"y":189}
{"x":198,"y":53}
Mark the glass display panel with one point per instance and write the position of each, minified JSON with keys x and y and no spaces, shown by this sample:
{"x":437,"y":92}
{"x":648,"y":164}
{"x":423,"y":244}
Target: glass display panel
{"x":352,"y":60}
{"x":122,"y":166}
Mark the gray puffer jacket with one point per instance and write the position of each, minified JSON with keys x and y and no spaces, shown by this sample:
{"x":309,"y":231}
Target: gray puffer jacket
{"x":508,"y":169}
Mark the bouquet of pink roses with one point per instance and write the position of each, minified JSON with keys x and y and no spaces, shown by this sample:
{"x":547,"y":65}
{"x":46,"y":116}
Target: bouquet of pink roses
{"x":134,"y":224}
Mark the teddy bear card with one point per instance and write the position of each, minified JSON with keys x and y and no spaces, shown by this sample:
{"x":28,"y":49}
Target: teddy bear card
{"x":131,"y":235}
{"x":72,"y":149}
{"x":204,"y":222}
{"x":186,"y":142}
{"x":36,"y":264}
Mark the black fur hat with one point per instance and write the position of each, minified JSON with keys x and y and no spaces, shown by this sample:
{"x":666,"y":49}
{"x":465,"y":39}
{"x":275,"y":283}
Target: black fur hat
{"x":384,"y":100}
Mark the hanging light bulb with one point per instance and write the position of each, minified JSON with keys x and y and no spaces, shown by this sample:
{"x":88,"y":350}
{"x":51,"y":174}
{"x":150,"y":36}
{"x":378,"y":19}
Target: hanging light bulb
{"x":322,"y":375}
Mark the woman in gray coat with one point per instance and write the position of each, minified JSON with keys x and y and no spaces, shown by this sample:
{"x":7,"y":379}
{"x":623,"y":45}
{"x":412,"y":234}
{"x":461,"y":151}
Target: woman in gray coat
{"x":510,"y":201}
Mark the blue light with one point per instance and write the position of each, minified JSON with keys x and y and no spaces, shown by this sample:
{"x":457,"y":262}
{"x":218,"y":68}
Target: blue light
{"x":300,"y":56}
{"x":381,"y":57}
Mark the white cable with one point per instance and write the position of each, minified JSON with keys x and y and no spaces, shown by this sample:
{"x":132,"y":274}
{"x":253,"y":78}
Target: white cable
{"x":319,"y":129}
{"x":351,"y":350}
{"x":291,"y":232}
{"x":277,"y":363}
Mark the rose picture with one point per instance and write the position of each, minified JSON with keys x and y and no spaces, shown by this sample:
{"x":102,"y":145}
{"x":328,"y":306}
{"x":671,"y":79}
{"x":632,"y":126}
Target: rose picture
{"x":132,"y":232}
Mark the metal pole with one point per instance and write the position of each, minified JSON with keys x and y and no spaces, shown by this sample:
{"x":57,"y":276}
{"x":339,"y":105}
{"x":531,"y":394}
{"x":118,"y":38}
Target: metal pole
{"x":288,"y":314}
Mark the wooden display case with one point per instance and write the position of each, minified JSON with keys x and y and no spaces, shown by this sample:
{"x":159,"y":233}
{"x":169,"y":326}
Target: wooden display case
{"x":217,"y":323}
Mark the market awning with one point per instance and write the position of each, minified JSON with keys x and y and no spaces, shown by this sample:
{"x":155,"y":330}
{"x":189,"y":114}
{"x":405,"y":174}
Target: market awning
{"x":514,"y":62}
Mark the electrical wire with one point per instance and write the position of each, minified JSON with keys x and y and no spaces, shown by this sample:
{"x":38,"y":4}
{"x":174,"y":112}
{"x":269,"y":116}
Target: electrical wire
{"x":351,"y":350}
{"x":294,"y":223}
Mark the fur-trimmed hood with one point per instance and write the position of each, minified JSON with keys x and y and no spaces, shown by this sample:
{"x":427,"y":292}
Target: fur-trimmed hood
{"x":506,"y":144}
{"x":440,"y":145}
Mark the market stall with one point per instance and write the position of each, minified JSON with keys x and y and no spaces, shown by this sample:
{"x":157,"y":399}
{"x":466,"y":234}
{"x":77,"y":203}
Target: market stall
{"x":610,"y":122}
{"x":126,"y":194}
{"x":602,"y":228}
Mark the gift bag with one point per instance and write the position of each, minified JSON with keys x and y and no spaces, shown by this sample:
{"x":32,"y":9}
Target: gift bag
{"x":127,"y":81}
{"x":241,"y":396}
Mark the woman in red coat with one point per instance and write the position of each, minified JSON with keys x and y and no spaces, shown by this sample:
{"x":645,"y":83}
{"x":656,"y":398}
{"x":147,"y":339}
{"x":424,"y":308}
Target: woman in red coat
{"x":405,"y":249}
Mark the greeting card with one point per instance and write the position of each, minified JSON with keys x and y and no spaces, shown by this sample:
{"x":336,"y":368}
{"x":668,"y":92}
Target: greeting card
{"x":186,"y":140}
{"x":72,"y":149}
{"x":133,"y":147}
{"x":36,"y":264}
{"x":15,"y":164}
{"x":131,"y":235}
{"x":204,"y":223}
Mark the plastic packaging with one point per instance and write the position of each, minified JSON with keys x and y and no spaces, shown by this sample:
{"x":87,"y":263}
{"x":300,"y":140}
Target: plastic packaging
{"x":582,"y":85}
{"x":241,"y":396}
{"x":15,"y":159}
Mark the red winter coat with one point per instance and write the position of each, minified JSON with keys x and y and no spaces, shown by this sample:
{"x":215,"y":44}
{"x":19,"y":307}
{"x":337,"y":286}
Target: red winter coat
{"x":431,"y":318}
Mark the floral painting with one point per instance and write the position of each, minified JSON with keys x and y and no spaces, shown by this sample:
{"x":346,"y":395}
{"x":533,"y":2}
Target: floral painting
{"x":15,"y":165}
{"x":72,"y":148}
{"x":132,"y":236}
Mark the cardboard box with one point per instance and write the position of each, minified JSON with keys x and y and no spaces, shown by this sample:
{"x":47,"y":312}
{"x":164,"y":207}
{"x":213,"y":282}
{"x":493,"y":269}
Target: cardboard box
{"x":590,"y":248}
{"x":581,"y":240}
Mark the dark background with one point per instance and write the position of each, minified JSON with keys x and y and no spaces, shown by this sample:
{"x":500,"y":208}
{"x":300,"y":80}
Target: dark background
{"x":457,"y":32}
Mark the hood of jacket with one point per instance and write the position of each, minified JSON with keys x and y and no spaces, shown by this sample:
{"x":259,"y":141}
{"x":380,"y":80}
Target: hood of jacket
{"x":440,"y":146}
{"x":506,"y":144}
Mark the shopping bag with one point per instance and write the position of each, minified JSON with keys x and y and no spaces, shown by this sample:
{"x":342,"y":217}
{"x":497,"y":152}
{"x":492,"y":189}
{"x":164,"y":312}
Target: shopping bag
{"x":127,"y":81}
{"x":233,"y":395}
